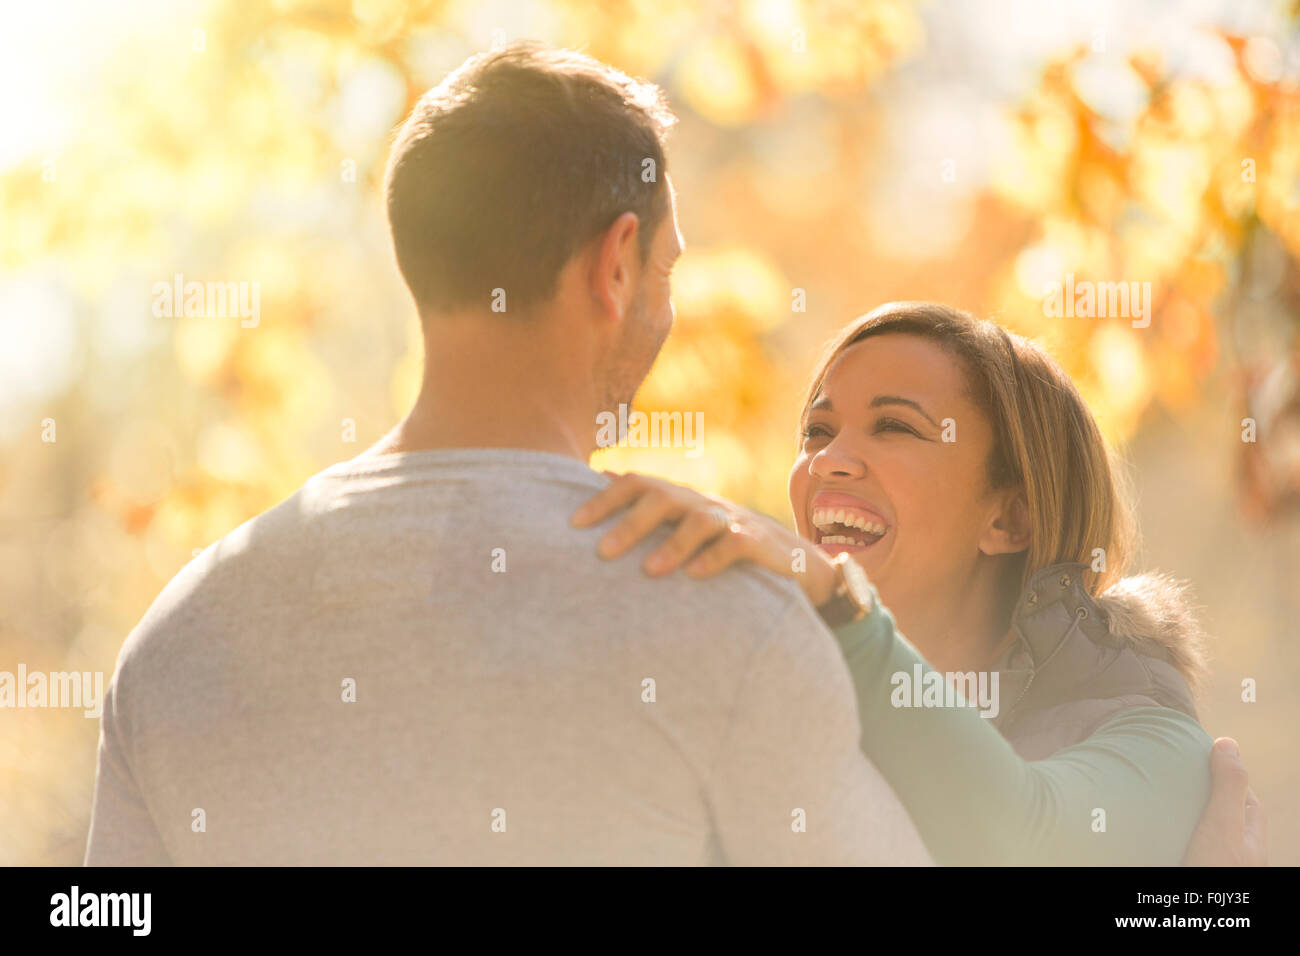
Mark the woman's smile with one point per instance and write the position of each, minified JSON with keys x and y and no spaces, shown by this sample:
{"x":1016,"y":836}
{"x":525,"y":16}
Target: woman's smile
{"x":843,"y":522}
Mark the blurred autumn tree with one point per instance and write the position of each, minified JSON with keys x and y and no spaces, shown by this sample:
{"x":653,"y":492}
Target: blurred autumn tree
{"x":1194,"y":188}
{"x":248,"y":145}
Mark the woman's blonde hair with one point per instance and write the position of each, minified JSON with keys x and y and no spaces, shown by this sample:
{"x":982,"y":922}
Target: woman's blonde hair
{"x":1045,"y":440}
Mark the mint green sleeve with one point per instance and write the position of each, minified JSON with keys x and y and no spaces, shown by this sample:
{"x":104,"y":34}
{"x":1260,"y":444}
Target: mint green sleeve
{"x":975,"y":801}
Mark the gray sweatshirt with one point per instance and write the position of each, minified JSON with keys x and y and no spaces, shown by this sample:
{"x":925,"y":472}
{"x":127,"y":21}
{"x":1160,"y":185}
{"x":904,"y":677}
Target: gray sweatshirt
{"x":415,"y":659}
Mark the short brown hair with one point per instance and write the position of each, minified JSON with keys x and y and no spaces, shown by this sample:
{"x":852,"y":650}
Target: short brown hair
{"x":515,"y":160}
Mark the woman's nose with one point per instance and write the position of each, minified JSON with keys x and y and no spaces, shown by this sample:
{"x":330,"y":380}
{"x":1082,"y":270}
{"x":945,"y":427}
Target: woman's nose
{"x":834,"y":461}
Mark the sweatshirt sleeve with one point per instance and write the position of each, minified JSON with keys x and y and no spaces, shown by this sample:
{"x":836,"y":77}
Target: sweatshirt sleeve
{"x":1130,"y":794}
{"x":122,"y":830}
{"x":789,"y":784}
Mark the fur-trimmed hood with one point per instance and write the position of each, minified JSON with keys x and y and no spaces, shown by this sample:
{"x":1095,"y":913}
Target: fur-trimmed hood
{"x":1079,"y":660}
{"x":1153,"y":613}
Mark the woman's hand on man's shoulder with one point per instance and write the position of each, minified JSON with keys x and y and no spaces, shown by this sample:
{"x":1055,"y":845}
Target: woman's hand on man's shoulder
{"x":709,"y":533}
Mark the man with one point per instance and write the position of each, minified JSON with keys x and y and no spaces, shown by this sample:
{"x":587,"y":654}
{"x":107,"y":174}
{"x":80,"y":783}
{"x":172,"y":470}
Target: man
{"x":415,"y":659}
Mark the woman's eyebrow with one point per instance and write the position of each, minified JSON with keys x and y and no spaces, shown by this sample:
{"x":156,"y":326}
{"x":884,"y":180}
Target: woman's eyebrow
{"x":898,"y":400}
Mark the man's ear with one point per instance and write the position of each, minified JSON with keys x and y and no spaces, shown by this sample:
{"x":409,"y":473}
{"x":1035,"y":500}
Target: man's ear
{"x":615,"y":266}
{"x":1008,"y":529}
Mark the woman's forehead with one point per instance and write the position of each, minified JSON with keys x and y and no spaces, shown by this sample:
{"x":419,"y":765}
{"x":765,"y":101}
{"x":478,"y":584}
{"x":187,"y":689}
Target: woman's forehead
{"x":894,"y":363}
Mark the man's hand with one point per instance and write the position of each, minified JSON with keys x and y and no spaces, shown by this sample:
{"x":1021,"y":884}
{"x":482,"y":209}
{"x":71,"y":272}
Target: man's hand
{"x":1232,"y":830}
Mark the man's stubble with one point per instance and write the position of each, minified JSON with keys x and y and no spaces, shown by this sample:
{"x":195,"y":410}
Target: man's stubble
{"x":632,"y":357}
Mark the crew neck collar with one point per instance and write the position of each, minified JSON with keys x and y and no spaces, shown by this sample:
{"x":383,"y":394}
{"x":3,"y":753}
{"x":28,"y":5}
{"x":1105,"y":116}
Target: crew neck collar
{"x":434,"y":457}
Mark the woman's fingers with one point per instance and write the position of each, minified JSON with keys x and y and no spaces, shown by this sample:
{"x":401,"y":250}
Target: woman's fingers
{"x":698,"y":528}
{"x":732,"y":546}
{"x":622,"y":490}
{"x":710,"y":534}
{"x":652,"y":509}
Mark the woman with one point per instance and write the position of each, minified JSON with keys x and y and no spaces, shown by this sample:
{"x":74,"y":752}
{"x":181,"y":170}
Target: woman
{"x":957,"y":465}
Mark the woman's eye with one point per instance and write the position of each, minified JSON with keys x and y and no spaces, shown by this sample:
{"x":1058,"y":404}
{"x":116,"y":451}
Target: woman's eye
{"x":815,"y":431}
{"x":894,"y":425}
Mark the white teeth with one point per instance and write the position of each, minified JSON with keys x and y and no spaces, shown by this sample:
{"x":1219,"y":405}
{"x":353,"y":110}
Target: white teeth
{"x":824,"y":518}
{"x":843,"y":539}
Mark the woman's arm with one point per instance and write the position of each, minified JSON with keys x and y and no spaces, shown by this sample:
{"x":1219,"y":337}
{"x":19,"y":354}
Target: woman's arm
{"x":973,"y":798}
{"x":1143,"y":775}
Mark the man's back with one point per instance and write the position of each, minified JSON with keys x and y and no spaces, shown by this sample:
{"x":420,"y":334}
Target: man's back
{"x":416,"y":660}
